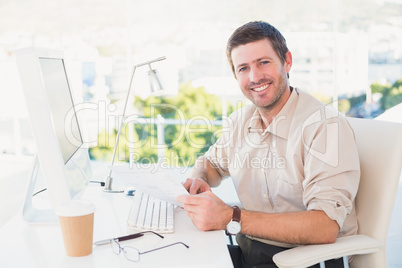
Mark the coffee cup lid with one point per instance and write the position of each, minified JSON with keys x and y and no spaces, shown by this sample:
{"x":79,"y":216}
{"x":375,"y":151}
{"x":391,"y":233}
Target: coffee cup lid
{"x":75,"y":208}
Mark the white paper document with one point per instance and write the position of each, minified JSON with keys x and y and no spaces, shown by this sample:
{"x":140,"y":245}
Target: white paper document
{"x":161,"y":184}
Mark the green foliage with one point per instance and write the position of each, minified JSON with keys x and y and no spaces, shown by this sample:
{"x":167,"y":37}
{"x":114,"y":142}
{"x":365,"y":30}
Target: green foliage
{"x":182,"y":143}
{"x":397,"y":84}
{"x":104,"y":149}
{"x":344,"y":106}
{"x":357,"y":100}
{"x":391,"y":95}
{"x":379,"y":88}
{"x":188,"y":103}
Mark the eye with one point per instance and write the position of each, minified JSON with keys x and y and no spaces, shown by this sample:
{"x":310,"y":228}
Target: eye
{"x":264,"y":62}
{"x":242,"y":69}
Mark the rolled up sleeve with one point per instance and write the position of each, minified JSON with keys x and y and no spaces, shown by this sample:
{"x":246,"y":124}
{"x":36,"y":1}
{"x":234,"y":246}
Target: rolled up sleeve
{"x":331,"y":181}
{"x":336,"y":202}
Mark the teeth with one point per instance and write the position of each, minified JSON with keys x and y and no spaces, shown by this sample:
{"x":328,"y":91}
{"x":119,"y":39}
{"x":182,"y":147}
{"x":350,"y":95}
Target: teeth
{"x":260,"y":88}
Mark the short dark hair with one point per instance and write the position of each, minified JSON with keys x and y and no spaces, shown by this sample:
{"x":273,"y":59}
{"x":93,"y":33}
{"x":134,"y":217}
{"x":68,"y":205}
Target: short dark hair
{"x":256,"y":31}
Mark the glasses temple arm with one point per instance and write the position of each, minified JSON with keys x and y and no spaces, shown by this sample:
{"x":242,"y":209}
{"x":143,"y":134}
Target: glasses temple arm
{"x":155,"y":249}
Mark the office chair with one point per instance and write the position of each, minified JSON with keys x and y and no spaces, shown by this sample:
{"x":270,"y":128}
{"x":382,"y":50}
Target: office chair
{"x":379,"y":145}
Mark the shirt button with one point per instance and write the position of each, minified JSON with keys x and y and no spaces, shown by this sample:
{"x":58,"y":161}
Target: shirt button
{"x":265,"y":195}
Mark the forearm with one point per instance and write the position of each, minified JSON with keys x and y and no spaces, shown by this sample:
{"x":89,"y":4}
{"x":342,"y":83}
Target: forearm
{"x":204,"y":169}
{"x":306,"y":227}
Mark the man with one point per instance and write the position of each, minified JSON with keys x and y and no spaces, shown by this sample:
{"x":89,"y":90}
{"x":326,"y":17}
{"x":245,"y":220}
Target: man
{"x":292,"y":159}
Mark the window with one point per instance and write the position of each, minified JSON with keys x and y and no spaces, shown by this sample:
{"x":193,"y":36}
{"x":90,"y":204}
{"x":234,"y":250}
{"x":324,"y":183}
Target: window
{"x":346,"y":50}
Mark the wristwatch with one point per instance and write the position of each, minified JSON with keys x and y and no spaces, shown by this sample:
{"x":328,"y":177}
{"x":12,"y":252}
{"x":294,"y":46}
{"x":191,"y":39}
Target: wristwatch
{"x":234,"y":225}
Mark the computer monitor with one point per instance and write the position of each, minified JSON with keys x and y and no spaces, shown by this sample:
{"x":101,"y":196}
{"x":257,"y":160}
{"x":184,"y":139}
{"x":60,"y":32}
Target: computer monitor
{"x":61,"y":159}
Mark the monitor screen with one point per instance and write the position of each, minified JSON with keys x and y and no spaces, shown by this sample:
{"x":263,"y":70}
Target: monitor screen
{"x":63,"y":160}
{"x":61,"y":105}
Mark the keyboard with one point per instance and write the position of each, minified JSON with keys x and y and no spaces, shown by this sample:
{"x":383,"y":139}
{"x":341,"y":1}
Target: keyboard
{"x":149,"y":213}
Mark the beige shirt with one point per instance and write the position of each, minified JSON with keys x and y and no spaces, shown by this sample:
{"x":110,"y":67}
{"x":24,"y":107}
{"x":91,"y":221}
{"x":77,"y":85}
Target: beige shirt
{"x":305,"y":160}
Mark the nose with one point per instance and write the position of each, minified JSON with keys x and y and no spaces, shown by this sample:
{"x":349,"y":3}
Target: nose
{"x":255,"y":75}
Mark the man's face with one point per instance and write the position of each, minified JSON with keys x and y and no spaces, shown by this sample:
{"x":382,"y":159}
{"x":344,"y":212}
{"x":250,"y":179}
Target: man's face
{"x":260,"y":73}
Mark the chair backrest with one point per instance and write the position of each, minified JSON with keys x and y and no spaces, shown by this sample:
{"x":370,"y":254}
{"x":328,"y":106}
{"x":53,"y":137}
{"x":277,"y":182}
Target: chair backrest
{"x":380,"y":151}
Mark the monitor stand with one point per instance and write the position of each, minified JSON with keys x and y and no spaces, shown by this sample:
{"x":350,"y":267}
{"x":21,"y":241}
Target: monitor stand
{"x":31,"y":213}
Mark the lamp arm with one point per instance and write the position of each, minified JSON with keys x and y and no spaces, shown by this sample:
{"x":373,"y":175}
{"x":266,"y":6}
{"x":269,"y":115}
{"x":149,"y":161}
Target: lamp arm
{"x":108,"y":182}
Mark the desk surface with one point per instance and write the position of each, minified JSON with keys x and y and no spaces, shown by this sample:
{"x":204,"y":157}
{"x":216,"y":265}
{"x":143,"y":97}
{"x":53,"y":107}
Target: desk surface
{"x":25,"y":245}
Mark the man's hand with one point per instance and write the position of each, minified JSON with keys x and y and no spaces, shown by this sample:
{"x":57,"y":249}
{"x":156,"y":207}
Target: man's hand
{"x":196,"y":186}
{"x":206,"y":211}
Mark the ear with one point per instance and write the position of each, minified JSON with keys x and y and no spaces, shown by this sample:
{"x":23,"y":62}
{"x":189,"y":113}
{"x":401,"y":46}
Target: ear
{"x":288,"y":61}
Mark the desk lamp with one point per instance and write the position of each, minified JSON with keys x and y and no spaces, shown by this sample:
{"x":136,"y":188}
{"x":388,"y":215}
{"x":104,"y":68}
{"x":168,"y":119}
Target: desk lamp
{"x":156,"y":87}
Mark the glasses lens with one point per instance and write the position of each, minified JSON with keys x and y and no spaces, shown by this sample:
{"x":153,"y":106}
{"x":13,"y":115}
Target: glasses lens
{"x":131,"y":253}
{"x":115,"y":247}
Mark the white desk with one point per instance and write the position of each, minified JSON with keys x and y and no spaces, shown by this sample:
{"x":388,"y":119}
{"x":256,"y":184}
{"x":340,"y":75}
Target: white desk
{"x":24,"y":245}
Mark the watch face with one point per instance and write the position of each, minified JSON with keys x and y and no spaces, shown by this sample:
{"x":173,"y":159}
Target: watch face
{"x":233,"y":227}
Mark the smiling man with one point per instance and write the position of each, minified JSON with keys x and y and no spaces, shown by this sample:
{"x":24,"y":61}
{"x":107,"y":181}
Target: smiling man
{"x":293,"y":160}
{"x":262,"y":76}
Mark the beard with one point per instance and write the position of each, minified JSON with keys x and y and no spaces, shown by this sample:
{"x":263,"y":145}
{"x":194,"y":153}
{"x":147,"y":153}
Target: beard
{"x":278,"y":91}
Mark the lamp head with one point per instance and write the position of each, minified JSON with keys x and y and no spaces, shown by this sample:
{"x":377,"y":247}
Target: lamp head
{"x":154,"y":81}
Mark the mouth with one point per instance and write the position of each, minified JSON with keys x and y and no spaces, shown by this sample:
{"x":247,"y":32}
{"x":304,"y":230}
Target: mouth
{"x":261,"y":88}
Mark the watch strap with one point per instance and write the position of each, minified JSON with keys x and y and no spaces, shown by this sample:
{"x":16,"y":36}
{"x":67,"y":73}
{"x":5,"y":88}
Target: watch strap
{"x":235,"y":217}
{"x":236,"y":214}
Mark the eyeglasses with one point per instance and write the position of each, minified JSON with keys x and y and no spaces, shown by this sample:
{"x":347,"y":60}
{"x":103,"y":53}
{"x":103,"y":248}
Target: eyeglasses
{"x":133,"y":254}
{"x":128,"y":237}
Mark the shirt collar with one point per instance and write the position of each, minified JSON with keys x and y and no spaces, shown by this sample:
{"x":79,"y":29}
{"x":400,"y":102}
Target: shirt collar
{"x":281,"y":123}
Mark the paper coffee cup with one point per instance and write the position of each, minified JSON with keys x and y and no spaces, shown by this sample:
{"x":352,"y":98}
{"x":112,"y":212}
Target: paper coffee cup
{"x":77,"y":223}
